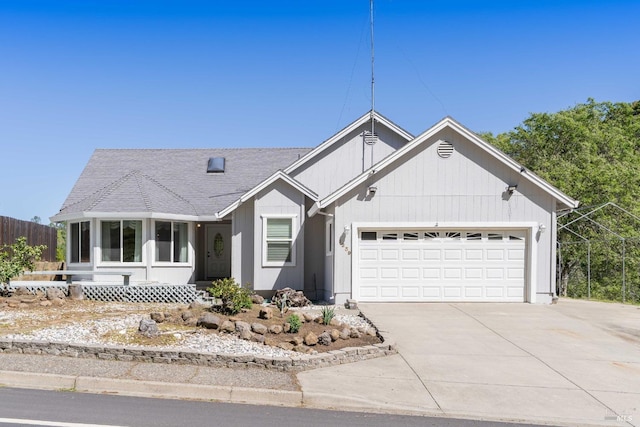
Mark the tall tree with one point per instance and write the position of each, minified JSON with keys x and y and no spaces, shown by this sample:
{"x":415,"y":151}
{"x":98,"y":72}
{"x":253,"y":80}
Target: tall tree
{"x":591,"y":152}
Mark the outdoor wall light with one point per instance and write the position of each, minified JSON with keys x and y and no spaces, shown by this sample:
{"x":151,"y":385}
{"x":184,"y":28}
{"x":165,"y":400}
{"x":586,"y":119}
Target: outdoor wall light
{"x":511,"y":189}
{"x":542,"y":227}
{"x":371,"y":191}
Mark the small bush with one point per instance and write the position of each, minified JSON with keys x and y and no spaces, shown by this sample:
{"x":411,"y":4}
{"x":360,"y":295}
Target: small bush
{"x":294,"y":321}
{"x":328,"y":313}
{"x":232,"y":296}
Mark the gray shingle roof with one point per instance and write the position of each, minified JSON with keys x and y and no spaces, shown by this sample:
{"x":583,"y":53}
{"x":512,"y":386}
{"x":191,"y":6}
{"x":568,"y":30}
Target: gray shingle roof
{"x":173,"y":181}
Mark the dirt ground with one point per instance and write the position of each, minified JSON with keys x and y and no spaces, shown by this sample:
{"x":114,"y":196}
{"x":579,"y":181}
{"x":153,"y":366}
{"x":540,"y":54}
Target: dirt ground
{"x":26,"y":317}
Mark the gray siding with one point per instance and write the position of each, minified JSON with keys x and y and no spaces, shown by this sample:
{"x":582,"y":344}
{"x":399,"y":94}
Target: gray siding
{"x":279,"y":199}
{"x":345,"y":160}
{"x":242,"y":242}
{"x":469,"y":187}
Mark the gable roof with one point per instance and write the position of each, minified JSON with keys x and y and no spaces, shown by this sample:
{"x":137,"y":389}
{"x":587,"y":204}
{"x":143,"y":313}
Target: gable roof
{"x":365,"y":118}
{"x":447,"y":122}
{"x":145,"y":182}
{"x":278,"y":176}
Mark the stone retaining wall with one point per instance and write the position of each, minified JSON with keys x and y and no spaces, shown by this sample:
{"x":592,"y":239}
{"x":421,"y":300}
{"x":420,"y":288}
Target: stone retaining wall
{"x":185,"y":357}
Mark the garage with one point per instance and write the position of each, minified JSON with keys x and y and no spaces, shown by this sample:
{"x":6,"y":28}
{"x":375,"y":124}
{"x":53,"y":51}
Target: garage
{"x":441,"y":265}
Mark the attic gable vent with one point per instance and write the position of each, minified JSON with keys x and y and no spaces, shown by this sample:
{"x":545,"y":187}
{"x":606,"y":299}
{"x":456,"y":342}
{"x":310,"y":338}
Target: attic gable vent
{"x":215,"y":165}
{"x":445,"y":149}
{"x":370,"y":138}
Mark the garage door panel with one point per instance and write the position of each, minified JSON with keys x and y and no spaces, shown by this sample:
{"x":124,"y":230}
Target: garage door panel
{"x":442,"y":266}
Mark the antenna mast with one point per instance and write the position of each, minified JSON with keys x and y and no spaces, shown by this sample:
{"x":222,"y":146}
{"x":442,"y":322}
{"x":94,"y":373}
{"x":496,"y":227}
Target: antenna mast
{"x":373,"y":99}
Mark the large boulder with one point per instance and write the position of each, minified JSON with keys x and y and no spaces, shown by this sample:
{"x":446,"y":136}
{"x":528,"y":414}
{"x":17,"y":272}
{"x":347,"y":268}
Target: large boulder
{"x":209,"y":321}
{"x":266,"y":313}
{"x":54,"y":293}
{"x":311,"y":339}
{"x":292,"y":298}
{"x":259,"y":328}
{"x":148,"y":328}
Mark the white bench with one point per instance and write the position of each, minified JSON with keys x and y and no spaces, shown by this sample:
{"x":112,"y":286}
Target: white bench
{"x":70,"y":273}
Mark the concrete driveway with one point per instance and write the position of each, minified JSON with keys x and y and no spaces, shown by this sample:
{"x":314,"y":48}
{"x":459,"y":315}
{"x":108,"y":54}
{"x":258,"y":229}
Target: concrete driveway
{"x":574,"y":363}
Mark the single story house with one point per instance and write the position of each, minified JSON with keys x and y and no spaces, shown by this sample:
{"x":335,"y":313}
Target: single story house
{"x":382,"y":216}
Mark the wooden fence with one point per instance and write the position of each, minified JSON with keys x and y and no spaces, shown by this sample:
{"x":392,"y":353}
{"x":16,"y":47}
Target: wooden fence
{"x":36,"y":234}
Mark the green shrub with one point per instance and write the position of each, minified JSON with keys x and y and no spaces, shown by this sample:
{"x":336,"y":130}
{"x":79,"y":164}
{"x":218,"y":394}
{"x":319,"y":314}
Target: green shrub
{"x":294,"y":321}
{"x":328,"y":314}
{"x":232,"y":296}
{"x":16,"y":258}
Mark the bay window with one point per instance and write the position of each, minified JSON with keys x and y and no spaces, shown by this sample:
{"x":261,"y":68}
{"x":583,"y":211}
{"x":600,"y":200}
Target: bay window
{"x":80,"y":242}
{"x":121,"y":241}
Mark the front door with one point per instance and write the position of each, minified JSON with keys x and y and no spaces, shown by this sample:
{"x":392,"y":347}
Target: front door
{"x":218,"y":251}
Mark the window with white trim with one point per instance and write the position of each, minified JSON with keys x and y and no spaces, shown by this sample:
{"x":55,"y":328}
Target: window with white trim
{"x":172,"y":240}
{"x":121,"y":241}
{"x":80,"y":242}
{"x":278,"y":232}
{"x":329,"y":237}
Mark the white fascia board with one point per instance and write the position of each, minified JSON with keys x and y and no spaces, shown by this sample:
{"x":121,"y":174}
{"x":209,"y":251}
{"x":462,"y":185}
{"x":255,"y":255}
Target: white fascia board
{"x":123,"y":215}
{"x":449,"y":122}
{"x":340,"y":135}
{"x":278,"y":175}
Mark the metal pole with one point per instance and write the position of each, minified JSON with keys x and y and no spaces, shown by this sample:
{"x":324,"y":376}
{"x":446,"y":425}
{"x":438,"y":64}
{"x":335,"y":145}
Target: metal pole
{"x":589,"y":270}
{"x":559,"y":278}
{"x":624,"y":273}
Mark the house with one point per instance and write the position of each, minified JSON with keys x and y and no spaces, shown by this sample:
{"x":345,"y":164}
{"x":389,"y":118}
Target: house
{"x":382,"y":216}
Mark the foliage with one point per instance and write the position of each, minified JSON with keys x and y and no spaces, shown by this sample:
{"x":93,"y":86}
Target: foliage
{"x":592,"y":153}
{"x":61,"y":249}
{"x":232,"y":296}
{"x":328,"y":313}
{"x":295,"y":323}
{"x":18,"y":257}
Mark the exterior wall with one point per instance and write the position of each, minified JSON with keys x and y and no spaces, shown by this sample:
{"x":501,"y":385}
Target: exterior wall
{"x":243,"y":239}
{"x":147,"y":269}
{"x":345,"y":160}
{"x":279,"y":199}
{"x":314,"y":254}
{"x":469,"y":187}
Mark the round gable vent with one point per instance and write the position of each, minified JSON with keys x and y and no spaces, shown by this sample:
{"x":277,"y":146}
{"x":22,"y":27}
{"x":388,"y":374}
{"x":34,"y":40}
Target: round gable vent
{"x":445,"y":149}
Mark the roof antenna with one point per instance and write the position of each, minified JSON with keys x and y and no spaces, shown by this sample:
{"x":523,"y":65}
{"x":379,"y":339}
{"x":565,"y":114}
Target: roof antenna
{"x":371,"y":138}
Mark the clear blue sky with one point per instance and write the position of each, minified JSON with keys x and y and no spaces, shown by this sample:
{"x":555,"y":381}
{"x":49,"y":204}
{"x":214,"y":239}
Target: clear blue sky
{"x":86,"y":74}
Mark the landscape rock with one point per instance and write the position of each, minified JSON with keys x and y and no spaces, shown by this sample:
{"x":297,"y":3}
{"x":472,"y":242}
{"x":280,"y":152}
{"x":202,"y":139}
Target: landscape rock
{"x":259,"y":328}
{"x":293,"y":298}
{"x":21,"y":291}
{"x":55,"y":293}
{"x":46,"y":303}
{"x":257,"y":338}
{"x":355,"y":333}
{"x":335,"y":335}
{"x":286,"y":346}
{"x":324,"y":338}
{"x":275,"y":329}
{"x":76,"y":292}
{"x":297,"y":340}
{"x":335,"y":322}
{"x":228,"y":326}
{"x":308,"y":317}
{"x":257,"y":299}
{"x":242,"y":326}
{"x":157,"y":317}
{"x":148,"y":328}
{"x":58,"y":301}
{"x":209,"y":321}
{"x":345,"y":333}
{"x":245,"y":334}
{"x":186,"y":315}
{"x":311,"y":339}
{"x":266,"y":313}
{"x":286,"y":327}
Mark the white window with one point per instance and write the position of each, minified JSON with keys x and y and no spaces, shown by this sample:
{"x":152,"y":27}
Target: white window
{"x":121,"y":241}
{"x":329,"y":238}
{"x":278,"y":249}
{"x":172,"y":240}
{"x":80,"y":242}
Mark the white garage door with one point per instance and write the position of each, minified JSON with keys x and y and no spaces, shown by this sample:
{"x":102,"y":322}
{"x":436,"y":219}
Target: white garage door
{"x":450,"y":265}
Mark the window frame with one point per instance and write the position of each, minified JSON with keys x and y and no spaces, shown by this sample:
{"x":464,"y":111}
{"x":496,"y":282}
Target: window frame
{"x":265,"y":241}
{"x":120,"y":262}
{"x":329,"y":237}
{"x":79,"y":242}
{"x":172,"y":243}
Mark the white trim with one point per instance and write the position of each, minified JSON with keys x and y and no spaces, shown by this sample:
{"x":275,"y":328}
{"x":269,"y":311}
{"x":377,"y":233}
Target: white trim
{"x":447,"y":122}
{"x":530,"y":245}
{"x":278,"y":175}
{"x":79,"y":216}
{"x":294,"y":232}
{"x":341,"y":134}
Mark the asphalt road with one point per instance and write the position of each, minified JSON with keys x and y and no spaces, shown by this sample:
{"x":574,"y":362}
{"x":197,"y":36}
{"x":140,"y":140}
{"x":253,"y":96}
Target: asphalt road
{"x":20,"y":407}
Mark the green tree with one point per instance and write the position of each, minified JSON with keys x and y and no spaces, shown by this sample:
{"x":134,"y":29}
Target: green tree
{"x":591,"y":152}
{"x":18,"y":257}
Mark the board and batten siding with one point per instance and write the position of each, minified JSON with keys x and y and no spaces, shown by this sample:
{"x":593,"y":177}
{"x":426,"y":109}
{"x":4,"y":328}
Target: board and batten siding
{"x":345,"y":160}
{"x":469,"y":188}
{"x":279,"y":198}
{"x":242,"y":243}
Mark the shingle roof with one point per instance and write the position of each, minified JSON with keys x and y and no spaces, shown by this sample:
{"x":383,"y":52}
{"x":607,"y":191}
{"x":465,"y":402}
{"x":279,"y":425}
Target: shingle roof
{"x":172,"y":181}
